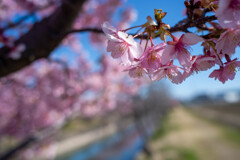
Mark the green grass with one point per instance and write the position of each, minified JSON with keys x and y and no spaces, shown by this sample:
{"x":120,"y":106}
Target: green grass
{"x":164,"y":128}
{"x":231,"y":134}
{"x":178,"y":153}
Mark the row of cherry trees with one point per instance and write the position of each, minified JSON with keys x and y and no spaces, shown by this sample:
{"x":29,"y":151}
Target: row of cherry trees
{"x":46,"y":95}
{"x":49,"y":92}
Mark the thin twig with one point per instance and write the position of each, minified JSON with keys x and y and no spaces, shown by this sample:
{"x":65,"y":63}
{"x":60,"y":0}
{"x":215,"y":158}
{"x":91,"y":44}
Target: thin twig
{"x":180,"y":26}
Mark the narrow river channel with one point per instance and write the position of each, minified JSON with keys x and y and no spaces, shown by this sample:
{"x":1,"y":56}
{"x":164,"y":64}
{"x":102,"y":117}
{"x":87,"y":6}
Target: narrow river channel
{"x":124,"y":145}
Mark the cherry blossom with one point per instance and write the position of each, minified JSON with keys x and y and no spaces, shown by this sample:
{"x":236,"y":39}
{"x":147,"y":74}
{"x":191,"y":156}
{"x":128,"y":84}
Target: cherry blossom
{"x":157,"y":61}
{"x":200,"y":63}
{"x":122,"y":45}
{"x":228,"y":41}
{"x":136,"y":71}
{"x":226,"y":72}
{"x":169,"y":71}
{"x":228,"y":13}
{"x":151,"y":58}
{"x":178,"y":48}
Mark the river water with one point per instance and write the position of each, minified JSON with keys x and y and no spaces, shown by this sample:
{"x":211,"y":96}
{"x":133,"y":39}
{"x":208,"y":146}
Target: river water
{"x":124,"y":145}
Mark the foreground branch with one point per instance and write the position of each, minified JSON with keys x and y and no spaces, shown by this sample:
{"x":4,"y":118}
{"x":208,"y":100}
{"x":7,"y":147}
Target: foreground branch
{"x":16,"y":149}
{"x":41,"y":40}
{"x":181,"y":26}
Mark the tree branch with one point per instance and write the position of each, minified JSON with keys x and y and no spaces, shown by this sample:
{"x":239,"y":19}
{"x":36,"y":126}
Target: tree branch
{"x":180,"y":26}
{"x":16,"y":149}
{"x":186,"y":23}
{"x":95,"y":30}
{"x":41,"y":40}
{"x":46,"y":35}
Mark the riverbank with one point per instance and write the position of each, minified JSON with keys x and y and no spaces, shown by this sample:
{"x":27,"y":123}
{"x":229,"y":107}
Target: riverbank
{"x":189,"y":137}
{"x":83,"y":139}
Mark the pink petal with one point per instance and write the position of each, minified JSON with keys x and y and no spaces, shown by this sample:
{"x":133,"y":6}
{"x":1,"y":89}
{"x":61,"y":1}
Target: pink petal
{"x":135,"y":51}
{"x":118,"y":49}
{"x":222,"y":6}
{"x":228,"y":41}
{"x":108,"y":28}
{"x":168,"y":54}
{"x":191,"y":39}
{"x":184,"y":58}
{"x":217,"y":74}
{"x":110,"y":31}
{"x":227,"y":15}
{"x":187,"y":73}
{"x":204,"y":63}
{"x":136,"y":72}
{"x":125,"y":59}
{"x":158,"y":75}
{"x":127,"y":38}
{"x":177,"y":79}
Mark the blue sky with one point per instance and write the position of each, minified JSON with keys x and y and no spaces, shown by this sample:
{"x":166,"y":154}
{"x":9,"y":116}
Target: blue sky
{"x":199,"y":83}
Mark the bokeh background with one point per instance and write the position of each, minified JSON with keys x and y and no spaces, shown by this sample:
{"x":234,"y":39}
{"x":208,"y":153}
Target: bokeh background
{"x":78,"y":104}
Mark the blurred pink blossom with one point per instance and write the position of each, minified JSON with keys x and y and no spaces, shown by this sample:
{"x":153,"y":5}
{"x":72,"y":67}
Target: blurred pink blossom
{"x":228,"y":13}
{"x":228,"y":41}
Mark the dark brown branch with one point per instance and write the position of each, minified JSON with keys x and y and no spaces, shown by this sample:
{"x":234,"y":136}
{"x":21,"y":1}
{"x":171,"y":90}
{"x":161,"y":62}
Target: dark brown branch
{"x":19,"y":147}
{"x":41,"y":40}
{"x":95,"y":30}
{"x":180,"y":26}
{"x":31,"y":140}
{"x":184,"y":24}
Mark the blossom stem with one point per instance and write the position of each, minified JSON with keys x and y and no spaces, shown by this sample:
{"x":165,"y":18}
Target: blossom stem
{"x":131,"y":28}
{"x":218,"y":56}
{"x":171,"y":35}
{"x":214,"y":10}
{"x":138,"y":30}
{"x":136,"y":35}
{"x":146,"y":43}
{"x":227,"y":58}
{"x":142,"y":37}
{"x":151,"y":41}
{"x":215,"y":52}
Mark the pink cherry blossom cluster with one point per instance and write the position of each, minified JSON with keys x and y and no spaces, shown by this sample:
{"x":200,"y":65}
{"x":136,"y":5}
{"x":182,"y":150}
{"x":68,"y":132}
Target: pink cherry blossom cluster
{"x":159,"y":61}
